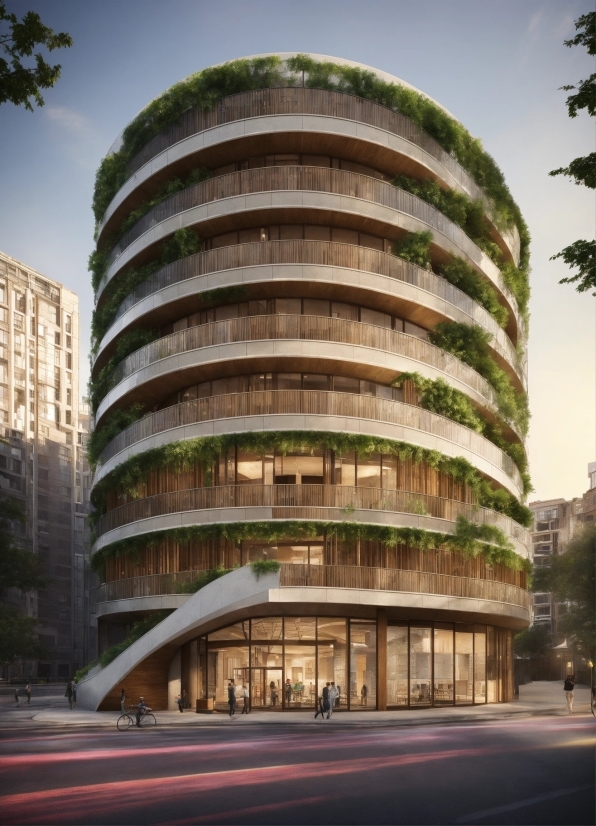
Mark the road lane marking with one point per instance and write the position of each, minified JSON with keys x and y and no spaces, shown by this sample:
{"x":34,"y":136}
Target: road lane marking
{"x":529,"y":801}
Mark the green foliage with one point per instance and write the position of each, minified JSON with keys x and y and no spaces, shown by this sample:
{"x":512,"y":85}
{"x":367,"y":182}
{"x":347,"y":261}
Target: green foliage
{"x":571,"y":577}
{"x":414,"y":247}
{"x":469,"y":540}
{"x":82,"y":672}
{"x":581,"y":254}
{"x":204,"y":578}
{"x":97,"y":265}
{"x":262,"y":567}
{"x":19,"y":568}
{"x":19,"y":83}
{"x":470,"y":344}
{"x":532,"y":642}
{"x":164,"y":192}
{"x":18,"y":636}
{"x":469,"y":281}
{"x":114,"y":424}
{"x":138,"y":630}
{"x":127,"y":344}
{"x":205,"y":88}
{"x":223,"y":295}
{"x":130,"y":475}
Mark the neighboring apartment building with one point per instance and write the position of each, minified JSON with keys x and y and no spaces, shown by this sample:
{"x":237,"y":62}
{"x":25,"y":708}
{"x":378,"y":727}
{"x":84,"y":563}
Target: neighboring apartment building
{"x":589,"y":498}
{"x":274,"y":342}
{"x":555,"y":522}
{"x":39,"y":417}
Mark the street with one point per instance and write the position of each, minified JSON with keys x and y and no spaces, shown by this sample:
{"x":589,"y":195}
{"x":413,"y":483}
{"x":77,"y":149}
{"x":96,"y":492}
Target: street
{"x":533,"y":770}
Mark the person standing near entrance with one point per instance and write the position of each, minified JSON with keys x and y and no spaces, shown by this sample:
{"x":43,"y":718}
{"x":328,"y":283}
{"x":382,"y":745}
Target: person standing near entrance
{"x":364,"y":695}
{"x":122,"y":702}
{"x":246,"y":696}
{"x":568,"y":689}
{"x":288,"y":691}
{"x":28,"y":693}
{"x":332,"y":699}
{"x":232,"y":697}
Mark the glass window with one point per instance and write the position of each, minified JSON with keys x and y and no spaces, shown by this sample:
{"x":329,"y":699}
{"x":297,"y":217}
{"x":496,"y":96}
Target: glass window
{"x":266,"y":628}
{"x":315,"y":381}
{"x":266,"y":687}
{"x":345,"y":470}
{"x":315,"y":233}
{"x":371,"y":241}
{"x":288,"y":306}
{"x":266,"y":656}
{"x":341,"y":310}
{"x":388,"y":472}
{"x":261,"y":381}
{"x":290,"y":232}
{"x":369,"y":471}
{"x":299,"y":685}
{"x":397,"y":665}
{"x":238,"y":631}
{"x":344,"y":236}
{"x":329,"y":628}
{"x":420,"y":664}
{"x":300,"y":628}
{"x":344,"y":384}
{"x":315,"y":306}
{"x":374,"y":317}
{"x":479,"y":664}
{"x":257,"y":307}
{"x":289,"y":381}
{"x":363,"y":664}
{"x":249,"y":468}
{"x":443,"y":675}
{"x":224,"y":664}
{"x":299,"y":469}
{"x":316,"y":160}
{"x":415,"y":330}
{"x":246,"y":236}
{"x":223,"y":313}
{"x":464,"y":646}
{"x":225,"y":240}
{"x":292,"y":555}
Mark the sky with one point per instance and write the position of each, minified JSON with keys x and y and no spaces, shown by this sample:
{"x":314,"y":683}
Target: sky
{"x":496,"y":65}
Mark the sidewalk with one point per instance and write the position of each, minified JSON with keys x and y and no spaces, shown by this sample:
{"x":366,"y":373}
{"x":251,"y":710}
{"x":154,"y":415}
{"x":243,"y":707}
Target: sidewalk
{"x":536,"y":699}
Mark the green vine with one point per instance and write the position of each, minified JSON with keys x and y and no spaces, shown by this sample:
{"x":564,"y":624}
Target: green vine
{"x":130,"y":475}
{"x":469,"y":281}
{"x":414,"y":247}
{"x":261,"y":567}
{"x":128,"y":342}
{"x":439,"y":397}
{"x":469,"y":539}
{"x":114,"y":424}
{"x":203,"y":89}
{"x":470,"y":344}
{"x":204,"y":578}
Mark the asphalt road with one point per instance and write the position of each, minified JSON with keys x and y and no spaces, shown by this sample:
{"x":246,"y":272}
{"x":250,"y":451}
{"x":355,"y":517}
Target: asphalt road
{"x":536,"y":770}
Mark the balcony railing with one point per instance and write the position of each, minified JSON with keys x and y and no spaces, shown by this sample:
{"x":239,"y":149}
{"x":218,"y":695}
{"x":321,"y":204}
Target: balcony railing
{"x":323,"y":253}
{"x":304,"y":179}
{"x":300,"y":101}
{"x":310,"y":402}
{"x":312,"y":502}
{"x":306,"y":328}
{"x":332,"y":576}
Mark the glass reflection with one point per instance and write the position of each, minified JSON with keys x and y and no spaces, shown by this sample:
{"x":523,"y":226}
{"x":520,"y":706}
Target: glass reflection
{"x":420,"y":641}
{"x":464,"y":647}
{"x":397,"y":665}
{"x":443,"y":665}
{"x":363,"y":664}
{"x":223,"y":664}
{"x":299,"y":686}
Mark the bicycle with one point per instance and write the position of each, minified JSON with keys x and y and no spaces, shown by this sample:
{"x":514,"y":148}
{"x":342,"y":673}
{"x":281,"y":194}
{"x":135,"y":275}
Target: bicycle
{"x":126,"y":720}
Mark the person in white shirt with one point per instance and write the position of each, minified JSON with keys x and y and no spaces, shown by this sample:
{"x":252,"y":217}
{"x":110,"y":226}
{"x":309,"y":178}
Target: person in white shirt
{"x":246,"y":696}
{"x":332,"y":699}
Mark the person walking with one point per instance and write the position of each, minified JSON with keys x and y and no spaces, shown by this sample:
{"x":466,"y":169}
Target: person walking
{"x":68,"y":693}
{"x":122,"y":702}
{"x":364,"y":695}
{"x":568,"y":687}
{"x":246,"y":696}
{"x":324,"y":702}
{"x":185,"y":703}
{"x":179,"y":702}
{"x":74,"y":693}
{"x":16,"y":696}
{"x":288,"y":692}
{"x":273,"y":693}
{"x":332,"y":699}
{"x":28,"y":693}
{"x":337,"y":702}
{"x":232,"y":697}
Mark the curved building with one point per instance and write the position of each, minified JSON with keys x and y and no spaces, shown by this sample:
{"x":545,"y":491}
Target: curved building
{"x":309,"y":365}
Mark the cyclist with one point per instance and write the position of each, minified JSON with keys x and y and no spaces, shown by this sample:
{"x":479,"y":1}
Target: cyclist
{"x":142,"y":709}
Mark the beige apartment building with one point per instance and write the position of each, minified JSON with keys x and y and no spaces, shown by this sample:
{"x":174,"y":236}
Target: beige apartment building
{"x":41,"y":463}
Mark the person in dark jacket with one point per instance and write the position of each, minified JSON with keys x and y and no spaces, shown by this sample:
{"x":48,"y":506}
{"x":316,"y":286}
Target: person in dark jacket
{"x":68,"y":693}
{"x":568,"y":689}
{"x":28,"y":693}
{"x":324,"y":703}
{"x":232,"y":697}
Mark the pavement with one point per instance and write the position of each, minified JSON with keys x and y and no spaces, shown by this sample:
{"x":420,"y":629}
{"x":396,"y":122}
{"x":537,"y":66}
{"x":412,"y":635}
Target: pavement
{"x":535,"y":699}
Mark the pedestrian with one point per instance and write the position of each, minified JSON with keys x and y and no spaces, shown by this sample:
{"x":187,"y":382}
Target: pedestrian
{"x":332,"y":699}
{"x":28,"y":693}
{"x":568,"y":689}
{"x":74,"y":693}
{"x":364,"y":695}
{"x":185,"y":703}
{"x":246,"y":695}
{"x":179,"y":702}
{"x":337,"y":703}
{"x":288,"y":691}
{"x":68,"y":693}
{"x":232,"y":697}
{"x":273,"y":693}
{"x":16,"y":696}
{"x":324,"y":703}
{"x":122,"y":702}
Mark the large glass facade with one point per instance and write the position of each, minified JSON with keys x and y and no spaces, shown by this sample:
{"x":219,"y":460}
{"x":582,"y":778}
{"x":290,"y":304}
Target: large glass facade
{"x":285,"y":662}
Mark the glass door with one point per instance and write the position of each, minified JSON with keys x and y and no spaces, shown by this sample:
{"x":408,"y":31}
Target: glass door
{"x":266,"y":688}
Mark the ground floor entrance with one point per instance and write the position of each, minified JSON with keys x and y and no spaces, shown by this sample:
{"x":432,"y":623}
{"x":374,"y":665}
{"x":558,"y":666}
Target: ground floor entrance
{"x":284,"y":663}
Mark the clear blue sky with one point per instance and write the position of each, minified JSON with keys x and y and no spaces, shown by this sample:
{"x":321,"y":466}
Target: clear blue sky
{"x":495,"y":65}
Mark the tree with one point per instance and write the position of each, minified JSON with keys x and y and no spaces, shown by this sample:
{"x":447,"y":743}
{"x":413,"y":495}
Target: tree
{"x":571,"y":577}
{"x":20,"y":569}
{"x":18,"y":82}
{"x":581,"y":254}
{"x":532,"y":642}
